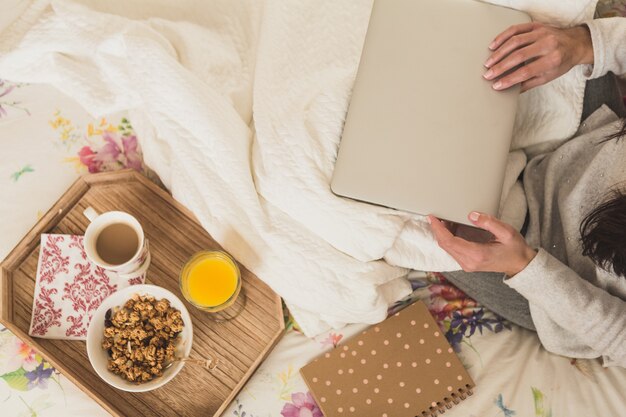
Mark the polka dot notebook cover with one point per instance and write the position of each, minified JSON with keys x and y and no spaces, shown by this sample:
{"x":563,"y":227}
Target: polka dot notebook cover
{"x":402,"y":367}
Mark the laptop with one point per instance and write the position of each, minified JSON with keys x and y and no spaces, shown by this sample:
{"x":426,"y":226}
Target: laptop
{"x":425,"y":133}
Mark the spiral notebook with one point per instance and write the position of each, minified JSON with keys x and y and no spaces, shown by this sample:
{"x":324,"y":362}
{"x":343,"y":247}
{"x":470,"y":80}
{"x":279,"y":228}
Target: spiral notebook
{"x":403,"y":367}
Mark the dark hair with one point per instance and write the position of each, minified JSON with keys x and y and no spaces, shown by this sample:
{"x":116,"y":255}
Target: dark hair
{"x":603,"y":231}
{"x":620,"y":133}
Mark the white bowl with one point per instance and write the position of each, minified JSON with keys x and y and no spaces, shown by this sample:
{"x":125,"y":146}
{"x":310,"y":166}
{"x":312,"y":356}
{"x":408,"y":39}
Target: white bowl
{"x":99,"y":357}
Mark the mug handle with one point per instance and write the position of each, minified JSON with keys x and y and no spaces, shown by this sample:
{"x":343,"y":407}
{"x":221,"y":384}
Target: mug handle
{"x":90,"y":213}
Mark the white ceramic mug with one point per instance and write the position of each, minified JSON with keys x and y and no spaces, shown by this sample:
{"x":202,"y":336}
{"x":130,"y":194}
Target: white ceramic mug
{"x":137,"y":264}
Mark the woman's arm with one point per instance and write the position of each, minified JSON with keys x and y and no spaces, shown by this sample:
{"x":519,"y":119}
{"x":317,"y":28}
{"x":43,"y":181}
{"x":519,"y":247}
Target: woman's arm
{"x":572,"y":316}
{"x":544,"y":53}
{"x":593,"y":317}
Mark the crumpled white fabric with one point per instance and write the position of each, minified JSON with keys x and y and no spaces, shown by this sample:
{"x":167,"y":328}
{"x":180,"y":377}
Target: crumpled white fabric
{"x":239,"y":106}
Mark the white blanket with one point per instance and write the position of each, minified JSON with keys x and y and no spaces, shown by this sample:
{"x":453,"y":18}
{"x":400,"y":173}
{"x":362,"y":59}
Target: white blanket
{"x":239,"y":106}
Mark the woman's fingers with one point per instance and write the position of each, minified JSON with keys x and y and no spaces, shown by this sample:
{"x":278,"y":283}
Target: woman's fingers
{"x":439,"y":230}
{"x":522,"y":74}
{"x":446,"y":240}
{"x":499,"y":229}
{"x":514,"y":43}
{"x":511,"y":31}
{"x":513,"y":60}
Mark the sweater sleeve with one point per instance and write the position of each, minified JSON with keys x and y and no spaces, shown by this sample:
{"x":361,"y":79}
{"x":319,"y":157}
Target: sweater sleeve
{"x":608,"y":36}
{"x":574,"y":317}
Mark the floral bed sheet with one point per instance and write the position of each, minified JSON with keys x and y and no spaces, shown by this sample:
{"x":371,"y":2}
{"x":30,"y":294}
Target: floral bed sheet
{"x":47,"y":141}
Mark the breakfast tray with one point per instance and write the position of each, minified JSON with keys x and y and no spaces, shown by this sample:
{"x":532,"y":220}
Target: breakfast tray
{"x":239,"y":344}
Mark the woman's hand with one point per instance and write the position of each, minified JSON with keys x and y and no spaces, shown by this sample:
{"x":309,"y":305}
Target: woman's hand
{"x":544,"y":53}
{"x":508,"y":253}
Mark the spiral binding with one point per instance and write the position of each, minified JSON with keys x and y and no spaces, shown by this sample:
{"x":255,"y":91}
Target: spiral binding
{"x":448,"y":402}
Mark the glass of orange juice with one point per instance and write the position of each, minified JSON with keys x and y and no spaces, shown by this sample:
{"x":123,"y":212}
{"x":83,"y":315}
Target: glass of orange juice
{"x":211,"y":281}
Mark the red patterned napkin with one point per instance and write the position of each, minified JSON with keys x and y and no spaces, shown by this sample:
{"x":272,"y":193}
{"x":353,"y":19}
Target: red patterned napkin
{"x":69,"y":288}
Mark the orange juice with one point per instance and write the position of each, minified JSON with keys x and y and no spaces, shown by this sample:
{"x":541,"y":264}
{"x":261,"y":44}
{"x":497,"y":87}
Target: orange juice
{"x":210,"y":280}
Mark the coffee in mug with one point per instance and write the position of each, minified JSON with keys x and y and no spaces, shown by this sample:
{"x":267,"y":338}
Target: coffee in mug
{"x":115,"y":241}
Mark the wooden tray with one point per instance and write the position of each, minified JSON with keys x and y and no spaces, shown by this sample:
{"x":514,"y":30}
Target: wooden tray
{"x":240,"y":344}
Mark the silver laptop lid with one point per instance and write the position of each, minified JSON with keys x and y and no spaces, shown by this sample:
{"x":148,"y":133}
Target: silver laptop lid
{"x":425,"y":132}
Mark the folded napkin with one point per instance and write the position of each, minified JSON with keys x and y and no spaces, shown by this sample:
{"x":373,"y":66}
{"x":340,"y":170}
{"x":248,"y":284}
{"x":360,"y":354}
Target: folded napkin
{"x":69,"y":288}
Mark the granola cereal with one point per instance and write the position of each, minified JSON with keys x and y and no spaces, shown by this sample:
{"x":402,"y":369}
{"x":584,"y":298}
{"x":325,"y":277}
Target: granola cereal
{"x":140,"y":337}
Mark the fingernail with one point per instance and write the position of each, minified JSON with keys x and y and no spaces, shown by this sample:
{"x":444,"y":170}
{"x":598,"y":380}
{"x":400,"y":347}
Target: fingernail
{"x":428,"y":219}
{"x":488,"y":74}
{"x":474,"y":216}
{"x":492,"y":45}
{"x":489,"y":62}
{"x":497,"y":85}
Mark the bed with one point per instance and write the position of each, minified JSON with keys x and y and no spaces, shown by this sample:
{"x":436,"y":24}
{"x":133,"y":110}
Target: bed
{"x":48,"y":140}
